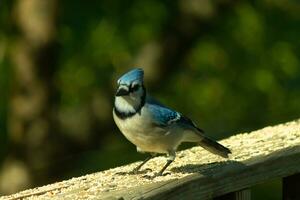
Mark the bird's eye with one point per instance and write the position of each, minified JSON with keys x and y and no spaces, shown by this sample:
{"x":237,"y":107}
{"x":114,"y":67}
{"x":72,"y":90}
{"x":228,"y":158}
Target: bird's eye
{"x":135,"y":87}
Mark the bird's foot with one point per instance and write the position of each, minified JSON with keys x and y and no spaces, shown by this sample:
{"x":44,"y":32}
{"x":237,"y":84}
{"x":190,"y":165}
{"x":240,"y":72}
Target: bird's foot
{"x":122,"y":173}
{"x":157,"y":174}
{"x":148,"y":170}
{"x":161,"y":174}
{"x":138,"y":171}
{"x":135,"y":171}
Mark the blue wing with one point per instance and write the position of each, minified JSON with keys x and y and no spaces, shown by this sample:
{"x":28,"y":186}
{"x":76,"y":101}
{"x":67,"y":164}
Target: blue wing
{"x":161,"y":115}
{"x":164,"y":116}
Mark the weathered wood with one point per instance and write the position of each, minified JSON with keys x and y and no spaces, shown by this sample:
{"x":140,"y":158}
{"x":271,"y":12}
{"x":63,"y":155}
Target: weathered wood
{"x":238,"y":195}
{"x":272,"y":152}
{"x":291,"y":187}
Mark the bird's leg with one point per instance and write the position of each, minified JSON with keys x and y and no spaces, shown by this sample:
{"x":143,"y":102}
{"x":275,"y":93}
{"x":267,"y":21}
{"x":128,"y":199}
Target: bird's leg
{"x":135,"y":170}
{"x":171,"y":158}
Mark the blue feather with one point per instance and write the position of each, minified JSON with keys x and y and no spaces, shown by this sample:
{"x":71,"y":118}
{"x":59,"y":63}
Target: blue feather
{"x":136,"y":74}
{"x":161,"y":115}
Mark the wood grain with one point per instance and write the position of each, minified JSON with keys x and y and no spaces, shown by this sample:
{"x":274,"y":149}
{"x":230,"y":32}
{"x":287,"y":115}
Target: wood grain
{"x":259,"y":156}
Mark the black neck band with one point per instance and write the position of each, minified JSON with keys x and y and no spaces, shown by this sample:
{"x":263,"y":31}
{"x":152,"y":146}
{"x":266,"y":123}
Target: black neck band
{"x":125,"y":115}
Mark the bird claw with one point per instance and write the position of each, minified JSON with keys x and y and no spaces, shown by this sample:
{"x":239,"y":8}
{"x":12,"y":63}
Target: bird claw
{"x":162,"y":174}
{"x":137,"y":171}
{"x":149,"y":177}
{"x":167,"y":173}
{"x":148,"y":170}
{"x":157,"y":174}
{"x":122,"y":173}
{"x":134,"y":171}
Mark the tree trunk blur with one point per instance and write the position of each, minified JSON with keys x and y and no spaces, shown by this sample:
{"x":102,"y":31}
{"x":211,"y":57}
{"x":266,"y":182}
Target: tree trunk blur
{"x":33,"y":96}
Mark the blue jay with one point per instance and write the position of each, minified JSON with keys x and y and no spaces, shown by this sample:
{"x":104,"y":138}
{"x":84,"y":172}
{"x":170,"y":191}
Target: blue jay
{"x":153,"y":127}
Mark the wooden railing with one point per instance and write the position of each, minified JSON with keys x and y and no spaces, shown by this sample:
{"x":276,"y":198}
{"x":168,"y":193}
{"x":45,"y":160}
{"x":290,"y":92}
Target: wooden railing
{"x":257,"y":157}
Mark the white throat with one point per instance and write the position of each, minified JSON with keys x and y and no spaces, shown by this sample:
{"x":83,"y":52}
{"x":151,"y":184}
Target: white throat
{"x":126,"y":104}
{"x":131,"y":103}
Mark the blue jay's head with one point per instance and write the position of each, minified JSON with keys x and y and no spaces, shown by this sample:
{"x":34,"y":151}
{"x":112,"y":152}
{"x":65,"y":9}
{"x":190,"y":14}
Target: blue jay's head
{"x":131,"y":94}
{"x":131,"y":83}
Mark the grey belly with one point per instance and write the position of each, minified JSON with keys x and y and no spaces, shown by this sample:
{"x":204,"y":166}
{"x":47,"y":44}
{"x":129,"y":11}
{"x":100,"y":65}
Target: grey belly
{"x":158,"y":141}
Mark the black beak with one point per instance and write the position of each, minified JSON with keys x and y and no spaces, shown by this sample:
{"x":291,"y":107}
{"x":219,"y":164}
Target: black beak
{"x":122,"y":92}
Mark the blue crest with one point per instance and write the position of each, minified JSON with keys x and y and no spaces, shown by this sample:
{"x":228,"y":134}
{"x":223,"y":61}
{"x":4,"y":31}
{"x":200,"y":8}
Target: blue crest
{"x":136,"y":74}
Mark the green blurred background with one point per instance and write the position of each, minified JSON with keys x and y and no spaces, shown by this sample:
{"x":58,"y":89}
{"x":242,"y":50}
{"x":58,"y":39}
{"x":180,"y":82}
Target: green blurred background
{"x":232,"y":66}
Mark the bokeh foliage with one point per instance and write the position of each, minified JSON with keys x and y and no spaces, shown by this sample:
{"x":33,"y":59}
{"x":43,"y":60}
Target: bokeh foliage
{"x":231,"y":66}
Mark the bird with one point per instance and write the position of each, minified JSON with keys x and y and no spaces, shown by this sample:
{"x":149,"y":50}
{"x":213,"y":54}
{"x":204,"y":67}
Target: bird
{"x":153,"y":127}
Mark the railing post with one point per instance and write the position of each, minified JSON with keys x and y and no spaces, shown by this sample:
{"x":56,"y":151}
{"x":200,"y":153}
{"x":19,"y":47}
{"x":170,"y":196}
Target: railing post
{"x":244,"y":194}
{"x":291,"y":187}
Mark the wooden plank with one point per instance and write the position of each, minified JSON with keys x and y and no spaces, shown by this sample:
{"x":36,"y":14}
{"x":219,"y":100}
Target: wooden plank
{"x":230,"y":177}
{"x":272,"y":152}
{"x":244,"y":194}
{"x":291,"y":187}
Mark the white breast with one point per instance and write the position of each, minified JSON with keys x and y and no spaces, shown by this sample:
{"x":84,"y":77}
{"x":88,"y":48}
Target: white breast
{"x":140,"y":130}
